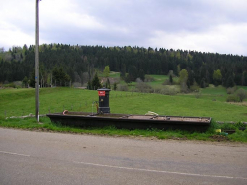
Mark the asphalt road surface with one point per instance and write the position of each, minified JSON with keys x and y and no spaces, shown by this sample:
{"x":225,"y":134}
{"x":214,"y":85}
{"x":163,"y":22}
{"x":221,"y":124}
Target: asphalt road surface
{"x":52,"y":158}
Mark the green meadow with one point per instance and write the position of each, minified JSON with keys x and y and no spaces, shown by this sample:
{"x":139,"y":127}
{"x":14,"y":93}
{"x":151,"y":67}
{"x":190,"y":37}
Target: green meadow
{"x":210,"y":103}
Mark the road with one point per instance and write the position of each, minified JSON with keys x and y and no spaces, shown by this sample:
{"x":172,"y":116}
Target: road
{"x":53,"y":158}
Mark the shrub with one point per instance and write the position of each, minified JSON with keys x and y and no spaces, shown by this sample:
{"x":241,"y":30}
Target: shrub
{"x":168,"y":91}
{"x":231,"y":90}
{"x":183,"y":87}
{"x":10,"y":85}
{"x":227,"y":126}
{"x":239,"y":125}
{"x":233,"y":126}
{"x":232,"y":98}
{"x":166,"y":82}
{"x":169,"y":81}
{"x":76,"y":84}
{"x":18,"y":84}
{"x":241,"y":94}
{"x":198,"y":95}
{"x":213,"y":126}
{"x":123,"y":87}
{"x":148,"y":78}
{"x":115,"y":86}
{"x":143,"y":87}
{"x":195,"y":88}
{"x":157,"y":90}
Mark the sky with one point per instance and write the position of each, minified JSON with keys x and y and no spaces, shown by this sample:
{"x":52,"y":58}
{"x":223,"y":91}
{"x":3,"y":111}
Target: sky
{"x":215,"y":26}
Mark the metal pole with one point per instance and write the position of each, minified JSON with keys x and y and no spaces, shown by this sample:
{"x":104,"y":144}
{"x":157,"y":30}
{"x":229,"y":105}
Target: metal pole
{"x":37,"y":61}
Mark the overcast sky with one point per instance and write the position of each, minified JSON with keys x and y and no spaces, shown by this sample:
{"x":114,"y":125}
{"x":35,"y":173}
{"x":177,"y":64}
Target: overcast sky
{"x":202,"y":25}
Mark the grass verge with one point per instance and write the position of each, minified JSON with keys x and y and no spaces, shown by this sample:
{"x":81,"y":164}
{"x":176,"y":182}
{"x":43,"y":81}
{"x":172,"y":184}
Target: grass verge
{"x":47,"y":125}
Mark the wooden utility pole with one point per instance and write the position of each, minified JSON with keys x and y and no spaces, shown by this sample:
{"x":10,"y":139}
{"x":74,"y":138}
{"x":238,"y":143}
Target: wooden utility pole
{"x":37,"y":61}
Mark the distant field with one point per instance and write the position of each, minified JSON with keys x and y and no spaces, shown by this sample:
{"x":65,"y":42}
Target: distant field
{"x":214,"y":90}
{"x":159,"y":80}
{"x":112,"y":74}
{"x":17,"y":102}
{"x":244,"y":87}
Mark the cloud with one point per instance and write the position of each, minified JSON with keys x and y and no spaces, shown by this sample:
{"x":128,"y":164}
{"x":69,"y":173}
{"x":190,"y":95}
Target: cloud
{"x":16,"y":26}
{"x":63,"y":13}
{"x":206,"y":25}
{"x":225,"y":39}
{"x":13,"y":35}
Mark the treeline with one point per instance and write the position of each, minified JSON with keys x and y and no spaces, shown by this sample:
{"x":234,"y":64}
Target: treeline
{"x":61,"y":63}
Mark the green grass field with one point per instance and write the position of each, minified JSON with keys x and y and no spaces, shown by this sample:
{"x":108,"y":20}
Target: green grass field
{"x":17,"y":102}
{"x":211,"y":103}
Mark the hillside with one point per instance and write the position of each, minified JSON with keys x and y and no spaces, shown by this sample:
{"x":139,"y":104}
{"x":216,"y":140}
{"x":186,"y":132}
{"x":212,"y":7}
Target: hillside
{"x":79,"y":63}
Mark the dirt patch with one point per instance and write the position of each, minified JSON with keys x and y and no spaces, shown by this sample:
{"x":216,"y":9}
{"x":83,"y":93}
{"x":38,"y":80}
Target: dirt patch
{"x":178,"y":138}
{"x":219,"y":138}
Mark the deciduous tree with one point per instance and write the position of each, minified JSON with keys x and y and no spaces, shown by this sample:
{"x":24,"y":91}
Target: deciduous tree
{"x":242,"y":94}
{"x":106,"y":71}
{"x":217,"y":77}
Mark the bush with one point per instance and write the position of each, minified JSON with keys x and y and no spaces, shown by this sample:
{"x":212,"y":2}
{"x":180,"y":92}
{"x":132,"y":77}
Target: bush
{"x":148,"y":78}
{"x":227,"y":126}
{"x":10,"y":85}
{"x":183,"y":87}
{"x":231,"y":90}
{"x":241,"y":94}
{"x":123,"y":87}
{"x":115,"y":86}
{"x":169,"y":81}
{"x":232,"y":98}
{"x":166,"y":82}
{"x":157,"y":90}
{"x":18,"y":84}
{"x":239,"y":125}
{"x":168,"y":91}
{"x":195,"y":88}
{"x":198,"y":95}
{"x":76,"y":84}
{"x":233,"y":126}
{"x":213,"y":126}
{"x":143,"y":87}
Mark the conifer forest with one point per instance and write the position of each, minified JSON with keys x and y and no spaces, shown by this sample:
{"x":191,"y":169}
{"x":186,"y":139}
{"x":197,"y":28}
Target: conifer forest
{"x":61,"y":63}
